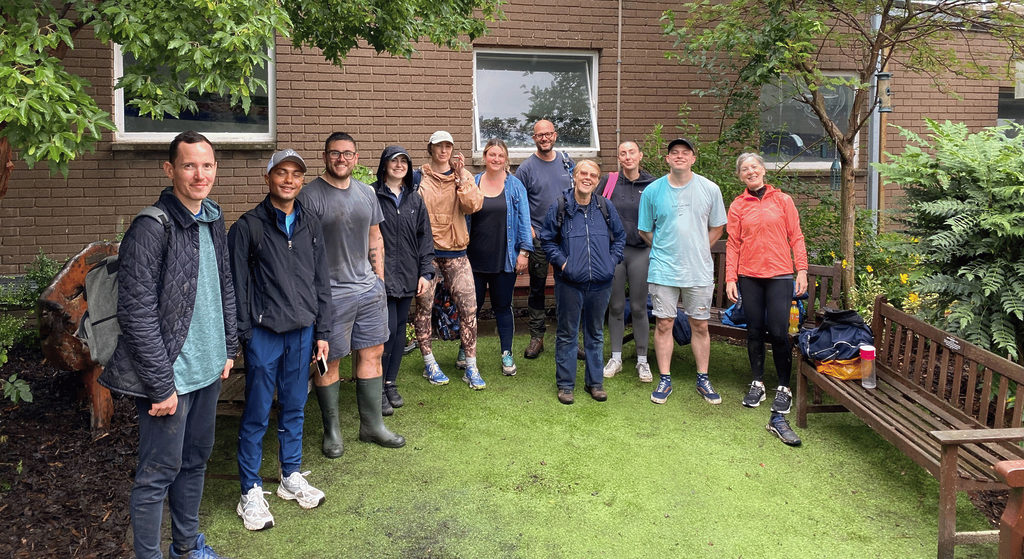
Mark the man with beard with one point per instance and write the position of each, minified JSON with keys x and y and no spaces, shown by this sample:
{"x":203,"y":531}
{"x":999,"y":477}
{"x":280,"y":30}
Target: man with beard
{"x":350,"y":216}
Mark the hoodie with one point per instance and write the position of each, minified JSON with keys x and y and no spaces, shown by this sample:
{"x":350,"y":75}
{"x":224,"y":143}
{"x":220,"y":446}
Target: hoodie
{"x":448,"y":205}
{"x":408,"y":242}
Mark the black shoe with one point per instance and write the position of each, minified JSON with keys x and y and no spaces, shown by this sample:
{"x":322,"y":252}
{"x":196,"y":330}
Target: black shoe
{"x":579,"y":354}
{"x":783,"y":400}
{"x":779,"y":427}
{"x":386,"y":408}
{"x":533,"y":350}
{"x":394,"y":397}
{"x":755,"y":395}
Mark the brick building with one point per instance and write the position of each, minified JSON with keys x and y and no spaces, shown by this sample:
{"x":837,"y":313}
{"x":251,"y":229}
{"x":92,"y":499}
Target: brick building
{"x":563,"y":52}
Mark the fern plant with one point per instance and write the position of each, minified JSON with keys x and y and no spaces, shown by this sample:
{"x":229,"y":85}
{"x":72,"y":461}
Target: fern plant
{"x":965,"y":201}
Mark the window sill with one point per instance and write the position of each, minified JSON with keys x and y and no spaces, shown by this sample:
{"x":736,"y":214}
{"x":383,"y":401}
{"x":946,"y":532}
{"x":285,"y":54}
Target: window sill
{"x":125,"y":145}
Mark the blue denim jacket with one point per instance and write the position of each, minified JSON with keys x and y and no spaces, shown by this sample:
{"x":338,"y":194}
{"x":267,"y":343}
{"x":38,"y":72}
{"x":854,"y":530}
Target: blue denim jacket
{"x":517,"y":220}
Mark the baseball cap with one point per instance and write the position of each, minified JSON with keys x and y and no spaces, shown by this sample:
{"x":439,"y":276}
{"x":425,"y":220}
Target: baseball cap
{"x":681,"y":142}
{"x":285,"y":155}
{"x":441,"y":136}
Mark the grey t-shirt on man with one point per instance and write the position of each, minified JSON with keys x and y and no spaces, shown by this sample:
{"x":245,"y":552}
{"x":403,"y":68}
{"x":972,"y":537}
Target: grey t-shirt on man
{"x":544,"y":181}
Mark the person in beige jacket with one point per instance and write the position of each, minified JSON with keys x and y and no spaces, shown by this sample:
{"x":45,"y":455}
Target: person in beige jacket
{"x":450,"y":194}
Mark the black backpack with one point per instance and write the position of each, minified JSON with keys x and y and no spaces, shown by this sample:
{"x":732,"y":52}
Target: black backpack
{"x":602,"y":204}
{"x":839,"y":336}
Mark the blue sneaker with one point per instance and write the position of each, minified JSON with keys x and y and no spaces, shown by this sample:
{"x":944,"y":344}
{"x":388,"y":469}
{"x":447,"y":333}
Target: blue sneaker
{"x":704,"y":389}
{"x":508,"y":365}
{"x":432,"y":373}
{"x":202,"y":551}
{"x":473,"y":378}
{"x":664,"y":388}
{"x":460,"y":359}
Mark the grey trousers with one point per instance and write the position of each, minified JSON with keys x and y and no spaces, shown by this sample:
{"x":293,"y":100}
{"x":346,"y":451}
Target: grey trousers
{"x":633,"y":268}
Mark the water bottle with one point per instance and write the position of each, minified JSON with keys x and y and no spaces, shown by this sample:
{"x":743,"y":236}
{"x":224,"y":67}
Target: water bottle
{"x":867,"y":366}
{"x":794,"y":319}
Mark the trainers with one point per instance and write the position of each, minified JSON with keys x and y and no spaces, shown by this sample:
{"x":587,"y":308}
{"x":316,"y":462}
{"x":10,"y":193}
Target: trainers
{"x":508,"y":365}
{"x":473,"y":379}
{"x":664,"y":388}
{"x":533,"y":350}
{"x":565,"y":395}
{"x":202,"y":551}
{"x":391,"y":390}
{"x":755,"y":395}
{"x":254,"y":510}
{"x":705,"y":389}
{"x":643,"y":370}
{"x":613,"y":366}
{"x":783,"y":400}
{"x":460,"y":359}
{"x":432,"y":373}
{"x":296,"y":488}
{"x":779,"y":427}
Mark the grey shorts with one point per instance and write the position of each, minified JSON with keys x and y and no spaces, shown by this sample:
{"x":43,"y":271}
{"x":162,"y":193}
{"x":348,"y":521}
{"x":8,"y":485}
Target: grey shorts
{"x":695,"y":301}
{"x":360,"y":321}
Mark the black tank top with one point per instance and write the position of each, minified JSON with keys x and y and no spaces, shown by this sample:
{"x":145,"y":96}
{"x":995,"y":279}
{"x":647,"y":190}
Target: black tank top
{"x":487,"y":237}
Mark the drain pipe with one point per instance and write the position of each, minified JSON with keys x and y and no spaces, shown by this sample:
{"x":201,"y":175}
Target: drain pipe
{"x":874,"y":136}
{"x":618,"y":79}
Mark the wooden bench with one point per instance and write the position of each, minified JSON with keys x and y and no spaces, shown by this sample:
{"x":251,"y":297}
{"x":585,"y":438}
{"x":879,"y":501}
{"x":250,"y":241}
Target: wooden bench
{"x":946,"y":404}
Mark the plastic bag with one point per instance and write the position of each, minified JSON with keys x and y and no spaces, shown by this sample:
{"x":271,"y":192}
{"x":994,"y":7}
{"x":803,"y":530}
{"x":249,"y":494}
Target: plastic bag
{"x":842,"y":369}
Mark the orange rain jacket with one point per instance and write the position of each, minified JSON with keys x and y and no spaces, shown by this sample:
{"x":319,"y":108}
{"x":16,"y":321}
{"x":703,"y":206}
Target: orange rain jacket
{"x":764,"y":236}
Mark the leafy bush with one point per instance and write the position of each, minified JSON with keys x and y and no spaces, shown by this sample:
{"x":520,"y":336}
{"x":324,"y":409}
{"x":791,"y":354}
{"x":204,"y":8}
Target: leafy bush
{"x":965,"y":202}
{"x":23,"y":294}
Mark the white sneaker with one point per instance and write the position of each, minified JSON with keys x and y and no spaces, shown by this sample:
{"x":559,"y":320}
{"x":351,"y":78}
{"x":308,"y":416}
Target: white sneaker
{"x":613,"y":366}
{"x":296,"y":488}
{"x":644,"y":371}
{"x":254,"y":509}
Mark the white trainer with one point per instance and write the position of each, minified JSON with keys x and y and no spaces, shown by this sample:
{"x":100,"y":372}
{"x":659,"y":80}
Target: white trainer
{"x":254,"y":509}
{"x":296,"y":488}
{"x":613,"y":366}
{"x":644,"y":371}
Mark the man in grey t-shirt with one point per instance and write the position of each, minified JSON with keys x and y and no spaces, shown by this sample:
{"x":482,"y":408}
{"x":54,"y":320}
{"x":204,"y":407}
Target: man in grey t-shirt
{"x":350,"y":217}
{"x":546,"y":174}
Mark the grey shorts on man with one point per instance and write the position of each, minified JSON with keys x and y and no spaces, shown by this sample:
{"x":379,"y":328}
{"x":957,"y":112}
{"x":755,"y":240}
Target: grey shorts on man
{"x":360,"y":321}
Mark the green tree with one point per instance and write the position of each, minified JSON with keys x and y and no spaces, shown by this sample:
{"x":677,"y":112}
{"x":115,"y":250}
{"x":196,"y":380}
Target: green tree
{"x":742,"y":45}
{"x":185,"y":48}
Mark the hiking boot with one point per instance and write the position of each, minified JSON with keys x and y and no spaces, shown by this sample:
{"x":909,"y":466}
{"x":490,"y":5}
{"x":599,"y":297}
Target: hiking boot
{"x":597,"y":392}
{"x":783,"y":400}
{"x":533,"y":350}
{"x":565,"y":395}
{"x":202,"y":551}
{"x":473,"y":378}
{"x":254,"y":510}
{"x":391,"y":391}
{"x":612,"y":367}
{"x":386,"y":408}
{"x":508,"y":365}
{"x":755,"y":395}
{"x":460,"y":359}
{"x":664,"y":388}
{"x":643,"y":370}
{"x":296,"y":488}
{"x":778,"y":426}
{"x":432,"y":373}
{"x":705,"y":389}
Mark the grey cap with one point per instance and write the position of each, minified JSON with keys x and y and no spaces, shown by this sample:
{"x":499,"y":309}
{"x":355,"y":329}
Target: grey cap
{"x":681,"y":142}
{"x":441,"y":136}
{"x":285,"y":155}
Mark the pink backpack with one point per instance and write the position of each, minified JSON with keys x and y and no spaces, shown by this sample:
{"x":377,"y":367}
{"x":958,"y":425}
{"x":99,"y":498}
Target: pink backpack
{"x":609,"y":186}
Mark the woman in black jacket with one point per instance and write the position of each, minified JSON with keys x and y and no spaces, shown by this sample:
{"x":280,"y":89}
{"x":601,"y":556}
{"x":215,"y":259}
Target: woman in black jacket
{"x":408,"y":257}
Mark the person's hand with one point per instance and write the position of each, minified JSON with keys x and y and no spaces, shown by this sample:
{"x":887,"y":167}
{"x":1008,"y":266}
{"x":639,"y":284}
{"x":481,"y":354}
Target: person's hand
{"x":801,"y":282}
{"x":458,"y":163}
{"x":563,"y":265}
{"x":731,"y":292}
{"x":322,"y":350}
{"x":167,"y":407}
{"x":227,"y":369}
{"x":422,"y":286}
{"x":522,"y":263}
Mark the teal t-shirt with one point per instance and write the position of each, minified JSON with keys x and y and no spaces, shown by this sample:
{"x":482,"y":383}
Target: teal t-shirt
{"x":204,"y":354}
{"x":680,"y":217}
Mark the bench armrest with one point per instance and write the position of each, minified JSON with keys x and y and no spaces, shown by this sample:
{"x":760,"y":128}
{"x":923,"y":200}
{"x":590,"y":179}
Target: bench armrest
{"x":969,"y":436}
{"x":1011,"y":471}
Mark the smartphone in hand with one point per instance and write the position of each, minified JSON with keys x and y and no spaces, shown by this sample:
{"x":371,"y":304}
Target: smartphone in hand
{"x":321,"y":365}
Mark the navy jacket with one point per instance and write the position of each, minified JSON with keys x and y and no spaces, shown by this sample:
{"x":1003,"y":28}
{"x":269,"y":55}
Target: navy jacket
{"x":156,"y":297}
{"x":284,"y":286}
{"x":584,"y":243}
{"x":408,"y":241}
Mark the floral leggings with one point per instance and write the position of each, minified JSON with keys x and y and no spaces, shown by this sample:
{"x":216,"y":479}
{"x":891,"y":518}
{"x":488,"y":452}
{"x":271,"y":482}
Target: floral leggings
{"x":458,"y":276}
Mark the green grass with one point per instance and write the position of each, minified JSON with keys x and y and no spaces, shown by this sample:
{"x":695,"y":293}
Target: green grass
{"x":510,"y":472}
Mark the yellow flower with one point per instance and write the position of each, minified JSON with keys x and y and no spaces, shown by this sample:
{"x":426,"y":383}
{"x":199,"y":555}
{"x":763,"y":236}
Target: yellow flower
{"x":844,"y":263}
{"x":915,"y":240}
{"x":857,"y":243}
{"x":833,"y":253}
{"x":870,"y":269}
{"x":913,"y":298}
{"x":904,"y":278}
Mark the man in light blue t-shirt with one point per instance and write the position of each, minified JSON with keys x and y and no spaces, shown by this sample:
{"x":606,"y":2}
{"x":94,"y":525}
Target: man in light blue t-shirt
{"x":681,"y":216}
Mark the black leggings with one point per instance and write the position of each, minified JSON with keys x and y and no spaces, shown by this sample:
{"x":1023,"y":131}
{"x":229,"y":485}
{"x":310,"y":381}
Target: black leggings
{"x":766,"y":303}
{"x":398,"y":314}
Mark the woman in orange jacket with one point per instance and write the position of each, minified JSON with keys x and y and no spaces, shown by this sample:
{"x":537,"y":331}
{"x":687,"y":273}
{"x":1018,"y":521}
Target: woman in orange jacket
{"x":766,"y":264}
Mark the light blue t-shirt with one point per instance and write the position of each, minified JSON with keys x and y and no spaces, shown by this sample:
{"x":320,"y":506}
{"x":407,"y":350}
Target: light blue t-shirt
{"x":680,"y":217}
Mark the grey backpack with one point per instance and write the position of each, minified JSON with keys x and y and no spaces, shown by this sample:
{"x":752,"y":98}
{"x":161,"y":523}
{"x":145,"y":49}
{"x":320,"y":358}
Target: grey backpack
{"x":99,"y":328}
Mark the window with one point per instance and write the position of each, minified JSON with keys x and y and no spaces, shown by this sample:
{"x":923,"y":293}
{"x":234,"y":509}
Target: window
{"x":790,"y":131}
{"x":512,"y":90}
{"x":1010,"y":110}
{"x":216,"y":118}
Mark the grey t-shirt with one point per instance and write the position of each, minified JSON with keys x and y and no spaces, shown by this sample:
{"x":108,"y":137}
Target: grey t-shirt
{"x":544,"y":182}
{"x":346,"y":216}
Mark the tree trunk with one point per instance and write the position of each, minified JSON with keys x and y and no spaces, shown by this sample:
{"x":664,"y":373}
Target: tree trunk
{"x":848,"y":217}
{"x":6,"y":165}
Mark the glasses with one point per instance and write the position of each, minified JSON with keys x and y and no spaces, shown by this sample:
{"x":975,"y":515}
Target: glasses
{"x":347,"y":155}
{"x":544,"y":135}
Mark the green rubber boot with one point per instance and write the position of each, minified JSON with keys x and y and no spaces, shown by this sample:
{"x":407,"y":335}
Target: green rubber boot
{"x":327,"y":396}
{"x":371,"y":424}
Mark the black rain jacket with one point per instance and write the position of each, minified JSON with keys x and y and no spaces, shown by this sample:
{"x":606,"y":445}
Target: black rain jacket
{"x":408,"y":241}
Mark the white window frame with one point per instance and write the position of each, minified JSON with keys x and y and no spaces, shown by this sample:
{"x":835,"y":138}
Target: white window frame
{"x":817,"y":165}
{"x":120,"y":136}
{"x":518,"y":153}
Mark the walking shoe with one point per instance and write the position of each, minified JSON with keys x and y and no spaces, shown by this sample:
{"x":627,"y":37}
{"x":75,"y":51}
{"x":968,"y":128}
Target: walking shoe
{"x":597,"y":392}
{"x":254,"y":510}
{"x":202,"y":551}
{"x":778,"y":426}
{"x":613,"y":366}
{"x":296,"y":488}
{"x":391,"y":390}
{"x":643,"y":370}
{"x":460,"y":359}
{"x":533,"y":350}
{"x":704,"y":389}
{"x":664,"y":388}
{"x":413,"y":344}
{"x":565,"y":395}
{"x":385,"y":405}
{"x":473,"y":379}
{"x":755,"y":395}
{"x":508,"y":366}
{"x":432,"y":373}
{"x":783,"y":400}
